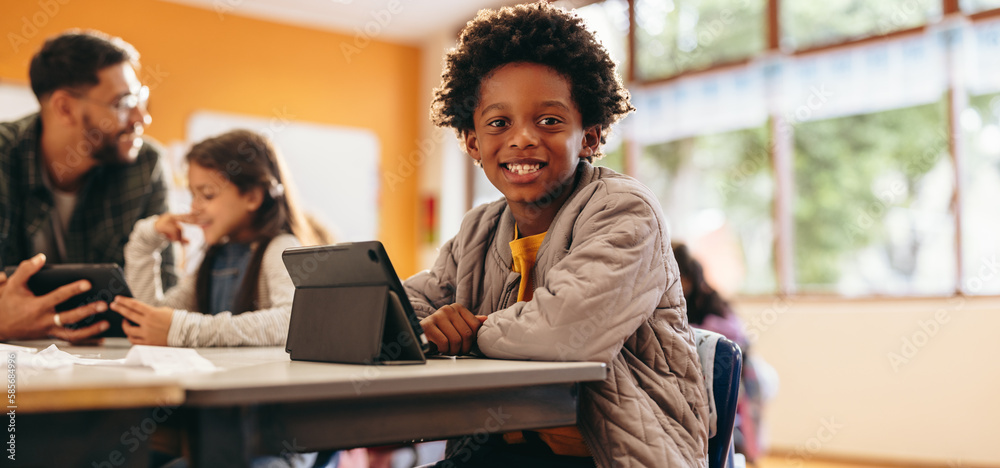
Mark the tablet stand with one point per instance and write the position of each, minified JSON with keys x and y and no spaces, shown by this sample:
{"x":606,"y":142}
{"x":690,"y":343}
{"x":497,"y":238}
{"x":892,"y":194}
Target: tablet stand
{"x":353,"y":325}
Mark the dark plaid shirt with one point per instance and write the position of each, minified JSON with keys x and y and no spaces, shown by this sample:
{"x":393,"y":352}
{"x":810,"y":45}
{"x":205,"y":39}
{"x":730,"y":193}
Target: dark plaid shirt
{"x":113,"y":198}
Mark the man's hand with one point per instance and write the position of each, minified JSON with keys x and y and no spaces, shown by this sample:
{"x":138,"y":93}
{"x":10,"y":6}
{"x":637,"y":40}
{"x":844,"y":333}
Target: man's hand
{"x":152,"y":324}
{"x":24,"y":316}
{"x":452,"y":328}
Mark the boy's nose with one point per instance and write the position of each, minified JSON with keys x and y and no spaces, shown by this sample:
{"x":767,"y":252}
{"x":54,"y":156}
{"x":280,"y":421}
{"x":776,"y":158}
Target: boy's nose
{"x":524,"y":137}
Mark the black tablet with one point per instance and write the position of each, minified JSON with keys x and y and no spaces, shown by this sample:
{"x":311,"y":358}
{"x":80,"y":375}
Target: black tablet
{"x":106,"y":281}
{"x":350,"y":307}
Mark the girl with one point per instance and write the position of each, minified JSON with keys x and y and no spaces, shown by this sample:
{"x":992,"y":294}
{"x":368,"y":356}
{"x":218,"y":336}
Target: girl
{"x":241,"y":294}
{"x":706,"y":309}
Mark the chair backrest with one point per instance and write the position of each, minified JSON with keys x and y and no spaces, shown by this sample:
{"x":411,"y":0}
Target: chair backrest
{"x":728,"y":362}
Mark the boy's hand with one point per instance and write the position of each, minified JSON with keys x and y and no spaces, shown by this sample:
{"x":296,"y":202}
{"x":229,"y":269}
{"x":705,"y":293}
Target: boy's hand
{"x":169,"y":225}
{"x":452,"y":328}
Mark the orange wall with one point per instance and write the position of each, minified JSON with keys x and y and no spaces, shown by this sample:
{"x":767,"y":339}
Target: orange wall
{"x":194,"y":60}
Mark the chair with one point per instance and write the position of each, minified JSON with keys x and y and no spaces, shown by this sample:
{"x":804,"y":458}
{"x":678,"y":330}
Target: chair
{"x":726,"y":364}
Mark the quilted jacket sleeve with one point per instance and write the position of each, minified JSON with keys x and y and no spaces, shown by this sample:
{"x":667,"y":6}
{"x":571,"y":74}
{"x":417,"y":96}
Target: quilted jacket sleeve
{"x":432,"y":289}
{"x":608,"y":283}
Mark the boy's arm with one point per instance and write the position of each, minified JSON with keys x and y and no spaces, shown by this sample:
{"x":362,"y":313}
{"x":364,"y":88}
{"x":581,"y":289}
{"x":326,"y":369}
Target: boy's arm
{"x":610,"y":282}
{"x":432,"y":289}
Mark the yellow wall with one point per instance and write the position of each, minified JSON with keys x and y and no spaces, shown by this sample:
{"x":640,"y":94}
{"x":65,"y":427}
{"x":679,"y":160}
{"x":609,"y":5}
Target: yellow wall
{"x":194,"y":59}
{"x":906,"y":381}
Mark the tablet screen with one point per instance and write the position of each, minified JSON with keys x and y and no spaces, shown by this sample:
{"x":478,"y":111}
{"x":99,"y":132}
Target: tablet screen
{"x":106,"y":281}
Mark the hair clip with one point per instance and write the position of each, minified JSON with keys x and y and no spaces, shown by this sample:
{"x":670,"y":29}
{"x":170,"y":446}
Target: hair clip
{"x":276,"y":189}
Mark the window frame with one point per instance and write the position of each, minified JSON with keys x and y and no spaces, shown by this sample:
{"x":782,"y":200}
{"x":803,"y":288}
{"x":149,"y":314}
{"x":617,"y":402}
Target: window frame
{"x":782,"y":142}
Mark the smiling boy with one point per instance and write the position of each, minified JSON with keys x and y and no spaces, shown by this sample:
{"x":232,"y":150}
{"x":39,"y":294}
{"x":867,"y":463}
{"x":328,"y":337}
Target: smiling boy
{"x":574,"y":263}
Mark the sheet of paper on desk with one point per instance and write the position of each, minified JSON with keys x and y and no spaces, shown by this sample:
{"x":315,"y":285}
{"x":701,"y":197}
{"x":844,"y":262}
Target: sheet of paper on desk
{"x":163,"y":360}
{"x":9,"y":348}
{"x":168,"y":361}
{"x":54,"y":358}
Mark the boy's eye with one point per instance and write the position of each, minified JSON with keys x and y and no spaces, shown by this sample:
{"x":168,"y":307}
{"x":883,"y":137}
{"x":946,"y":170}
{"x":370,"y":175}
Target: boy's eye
{"x":499,"y":123}
{"x":550,"y":121}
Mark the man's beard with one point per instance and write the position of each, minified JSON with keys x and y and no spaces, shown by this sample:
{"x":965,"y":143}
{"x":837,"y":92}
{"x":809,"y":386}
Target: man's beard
{"x":106,"y":150}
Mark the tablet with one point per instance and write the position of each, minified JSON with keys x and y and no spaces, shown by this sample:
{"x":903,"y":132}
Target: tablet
{"x":106,"y":281}
{"x":350,"y":306}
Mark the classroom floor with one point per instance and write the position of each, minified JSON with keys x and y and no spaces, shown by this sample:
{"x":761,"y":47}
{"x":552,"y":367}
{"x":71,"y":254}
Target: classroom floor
{"x":780,"y":461}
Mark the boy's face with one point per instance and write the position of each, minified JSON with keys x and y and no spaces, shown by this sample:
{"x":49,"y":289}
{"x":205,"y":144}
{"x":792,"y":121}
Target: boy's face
{"x":529,"y":134}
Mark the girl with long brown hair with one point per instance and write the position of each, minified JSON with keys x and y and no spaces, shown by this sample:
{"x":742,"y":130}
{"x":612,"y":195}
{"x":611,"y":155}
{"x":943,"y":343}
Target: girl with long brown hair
{"x":241,"y":294}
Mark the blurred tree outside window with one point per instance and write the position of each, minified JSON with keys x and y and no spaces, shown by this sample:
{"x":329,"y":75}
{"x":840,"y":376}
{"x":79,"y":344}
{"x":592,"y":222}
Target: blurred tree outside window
{"x":808,"y":23}
{"x":614,"y":156}
{"x":675,"y":36}
{"x":871,"y":209}
{"x":717,"y":192}
{"x":610,"y":23}
{"x":870,"y":205}
{"x":980,"y":123}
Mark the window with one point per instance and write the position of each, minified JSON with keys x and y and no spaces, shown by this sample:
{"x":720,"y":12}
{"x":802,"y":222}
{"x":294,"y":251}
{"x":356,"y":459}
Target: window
{"x":716,"y":192}
{"x":609,"y":21}
{"x":674,"y":36}
{"x":614,"y":155}
{"x":975,"y":6}
{"x":874,"y":175}
{"x":871,"y":206}
{"x":981,"y":183}
{"x":808,"y":23}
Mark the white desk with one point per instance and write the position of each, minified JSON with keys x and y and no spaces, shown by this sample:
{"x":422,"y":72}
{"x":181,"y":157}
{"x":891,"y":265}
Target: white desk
{"x":263,"y":403}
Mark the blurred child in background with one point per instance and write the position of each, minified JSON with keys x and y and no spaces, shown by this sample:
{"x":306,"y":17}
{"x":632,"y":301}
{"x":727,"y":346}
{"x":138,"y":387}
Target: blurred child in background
{"x":706,"y":309}
{"x":241,"y":294}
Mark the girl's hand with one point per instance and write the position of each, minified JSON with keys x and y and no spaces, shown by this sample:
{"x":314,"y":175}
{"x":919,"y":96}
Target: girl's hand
{"x":169,"y":225}
{"x":152,"y":324}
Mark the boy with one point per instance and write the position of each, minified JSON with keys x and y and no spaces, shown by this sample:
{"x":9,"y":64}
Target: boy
{"x":574,"y":263}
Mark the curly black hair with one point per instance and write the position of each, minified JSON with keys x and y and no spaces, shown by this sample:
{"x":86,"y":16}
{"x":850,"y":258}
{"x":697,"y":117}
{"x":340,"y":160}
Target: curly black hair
{"x":534,"y":33}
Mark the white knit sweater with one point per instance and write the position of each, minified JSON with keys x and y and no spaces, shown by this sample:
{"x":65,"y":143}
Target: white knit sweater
{"x":265,"y":327}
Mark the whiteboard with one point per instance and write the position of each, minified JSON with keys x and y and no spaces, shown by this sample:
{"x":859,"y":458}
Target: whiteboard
{"x":16,"y":101}
{"x":335,"y":169}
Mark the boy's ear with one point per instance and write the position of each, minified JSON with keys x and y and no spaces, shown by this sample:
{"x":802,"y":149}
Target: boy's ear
{"x":591,"y":141}
{"x":472,"y":145}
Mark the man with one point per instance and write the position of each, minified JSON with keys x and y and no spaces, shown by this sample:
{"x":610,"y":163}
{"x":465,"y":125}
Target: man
{"x":74,"y":178}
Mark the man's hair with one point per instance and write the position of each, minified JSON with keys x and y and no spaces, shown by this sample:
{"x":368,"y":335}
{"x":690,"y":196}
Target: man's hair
{"x":533,"y":33}
{"x":72,"y":60}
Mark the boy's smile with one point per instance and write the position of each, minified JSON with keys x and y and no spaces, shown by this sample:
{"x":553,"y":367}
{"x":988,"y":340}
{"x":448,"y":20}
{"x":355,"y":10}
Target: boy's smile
{"x":529,"y":137}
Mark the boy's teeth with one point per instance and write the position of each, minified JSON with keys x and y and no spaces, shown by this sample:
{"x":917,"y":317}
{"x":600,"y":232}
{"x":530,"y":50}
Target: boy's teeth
{"x":521,"y":169}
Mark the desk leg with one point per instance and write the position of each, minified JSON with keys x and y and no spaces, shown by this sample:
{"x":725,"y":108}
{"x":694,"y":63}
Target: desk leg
{"x":221,"y":437}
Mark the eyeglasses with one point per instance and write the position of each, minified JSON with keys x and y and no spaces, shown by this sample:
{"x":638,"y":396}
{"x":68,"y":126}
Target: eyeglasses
{"x":124,"y":106}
